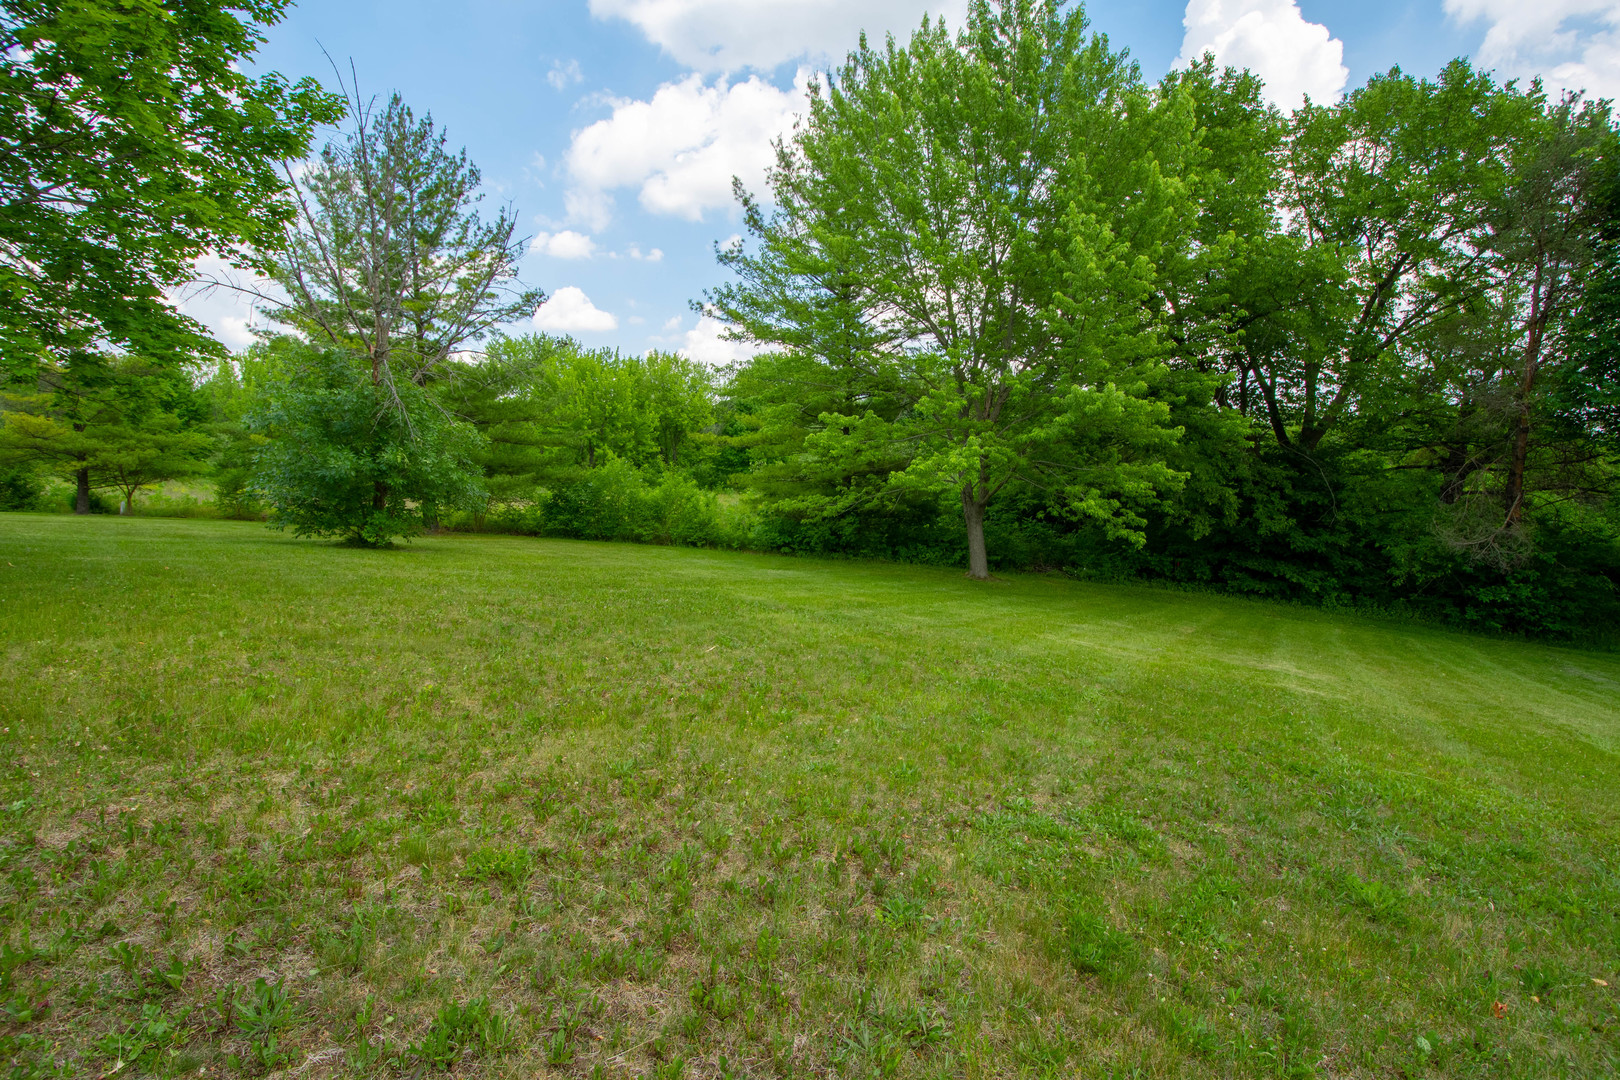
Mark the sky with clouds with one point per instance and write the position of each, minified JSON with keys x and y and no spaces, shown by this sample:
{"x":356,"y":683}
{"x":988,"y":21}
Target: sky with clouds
{"x":614,"y":127}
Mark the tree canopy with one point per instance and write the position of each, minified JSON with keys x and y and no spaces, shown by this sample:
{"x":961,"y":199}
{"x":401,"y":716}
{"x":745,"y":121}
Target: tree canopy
{"x":130,"y":144}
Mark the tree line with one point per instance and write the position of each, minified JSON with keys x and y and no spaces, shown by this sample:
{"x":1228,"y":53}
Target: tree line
{"x":1012,"y":306}
{"x":1363,"y":352}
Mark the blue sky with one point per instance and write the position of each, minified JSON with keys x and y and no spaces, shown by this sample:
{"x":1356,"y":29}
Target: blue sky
{"x":613,"y":127}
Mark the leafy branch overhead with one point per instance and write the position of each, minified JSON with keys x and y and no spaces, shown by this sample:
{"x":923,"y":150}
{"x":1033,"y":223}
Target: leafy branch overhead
{"x":130,"y":144}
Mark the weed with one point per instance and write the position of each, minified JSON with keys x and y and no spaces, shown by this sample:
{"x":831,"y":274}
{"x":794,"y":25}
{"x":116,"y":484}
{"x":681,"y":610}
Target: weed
{"x":509,"y":865}
{"x":264,"y":1008}
{"x":459,"y":1031}
{"x":146,"y":1039}
{"x":1375,"y":898}
{"x":1093,"y":946}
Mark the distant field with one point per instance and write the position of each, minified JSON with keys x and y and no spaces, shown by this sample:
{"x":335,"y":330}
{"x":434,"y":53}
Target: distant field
{"x":517,"y":807}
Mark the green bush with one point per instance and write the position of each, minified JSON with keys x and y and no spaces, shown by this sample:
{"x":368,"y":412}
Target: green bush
{"x":20,"y":489}
{"x":352,"y":460}
{"x":617,"y":501}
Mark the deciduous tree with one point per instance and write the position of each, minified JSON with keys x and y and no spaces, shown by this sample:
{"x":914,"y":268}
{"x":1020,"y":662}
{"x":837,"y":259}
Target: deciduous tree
{"x":968,"y":250}
{"x":131,"y":142}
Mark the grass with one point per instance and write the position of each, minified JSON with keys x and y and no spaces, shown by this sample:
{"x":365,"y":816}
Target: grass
{"x":510,"y":807}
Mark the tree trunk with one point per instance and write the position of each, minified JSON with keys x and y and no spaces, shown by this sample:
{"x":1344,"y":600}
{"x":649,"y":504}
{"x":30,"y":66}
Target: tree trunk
{"x":1513,"y":496}
{"x":973,"y":516}
{"x":81,"y":501}
{"x":379,"y":496}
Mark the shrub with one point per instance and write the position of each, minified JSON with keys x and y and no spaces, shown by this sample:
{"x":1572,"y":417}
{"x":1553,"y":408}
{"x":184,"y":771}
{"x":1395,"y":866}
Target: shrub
{"x":352,"y":460}
{"x":20,"y":489}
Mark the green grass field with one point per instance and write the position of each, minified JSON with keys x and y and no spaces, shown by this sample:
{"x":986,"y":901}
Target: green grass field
{"x":514,"y":807}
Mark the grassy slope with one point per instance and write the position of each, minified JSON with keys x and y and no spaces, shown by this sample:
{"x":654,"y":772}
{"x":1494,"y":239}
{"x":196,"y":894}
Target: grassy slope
{"x":671,"y":809}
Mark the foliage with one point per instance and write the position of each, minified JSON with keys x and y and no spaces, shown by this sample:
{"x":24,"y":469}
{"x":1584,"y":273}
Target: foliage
{"x":135,"y":143}
{"x":233,"y":391}
{"x":20,"y":488}
{"x":120,"y":422}
{"x":968,"y":237}
{"x":342,"y":461}
{"x":617,"y":501}
{"x":550,"y":408}
{"x":388,"y":264}
{"x":462,"y":1030}
{"x":1369,"y":361}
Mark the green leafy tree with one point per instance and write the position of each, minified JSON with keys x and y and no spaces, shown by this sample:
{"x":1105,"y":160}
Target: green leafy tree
{"x":1586,"y":392}
{"x":338,"y":458}
{"x":233,"y":391}
{"x":966,"y":262}
{"x":120,"y":422}
{"x":131,"y":143}
{"x":390,"y":262}
{"x":1385,"y":199}
{"x":550,"y":407}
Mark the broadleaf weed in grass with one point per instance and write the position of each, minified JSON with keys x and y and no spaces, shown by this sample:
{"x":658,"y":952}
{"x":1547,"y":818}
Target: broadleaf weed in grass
{"x":264,"y":1008}
{"x":1376,"y":898}
{"x":460,"y":1030}
{"x":509,"y":865}
{"x":145,"y":1038}
{"x":1091,"y":944}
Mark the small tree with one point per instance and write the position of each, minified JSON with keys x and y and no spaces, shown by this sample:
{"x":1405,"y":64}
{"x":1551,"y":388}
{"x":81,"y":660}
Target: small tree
{"x":389,"y":263}
{"x":965,"y":265}
{"x":340,"y":460}
{"x":131,"y":456}
{"x":118,"y":422}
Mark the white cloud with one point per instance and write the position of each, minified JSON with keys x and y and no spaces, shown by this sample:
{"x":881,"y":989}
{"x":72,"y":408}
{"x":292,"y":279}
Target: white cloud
{"x":535,"y":170}
{"x":680,"y":148}
{"x":672,"y":323}
{"x":570,"y":311}
{"x":222,"y":299}
{"x":704,"y":343}
{"x":590,"y":207}
{"x":728,"y":35}
{"x":561,"y":76}
{"x":1271,"y":38}
{"x":655,"y":255}
{"x":1572,"y":44}
{"x":563,"y":245}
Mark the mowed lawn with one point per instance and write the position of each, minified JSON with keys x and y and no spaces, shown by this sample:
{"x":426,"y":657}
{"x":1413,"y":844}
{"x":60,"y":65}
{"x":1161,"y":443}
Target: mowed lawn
{"x":518,"y":807}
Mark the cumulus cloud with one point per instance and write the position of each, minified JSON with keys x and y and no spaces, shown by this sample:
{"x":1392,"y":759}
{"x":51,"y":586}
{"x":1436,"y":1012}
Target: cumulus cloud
{"x":563,"y":75}
{"x":705,"y":344}
{"x":566,"y":244}
{"x":728,"y":35}
{"x":1271,"y":38}
{"x":655,"y":255}
{"x":1571,"y":44}
{"x":570,"y":311}
{"x":681,"y":148}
